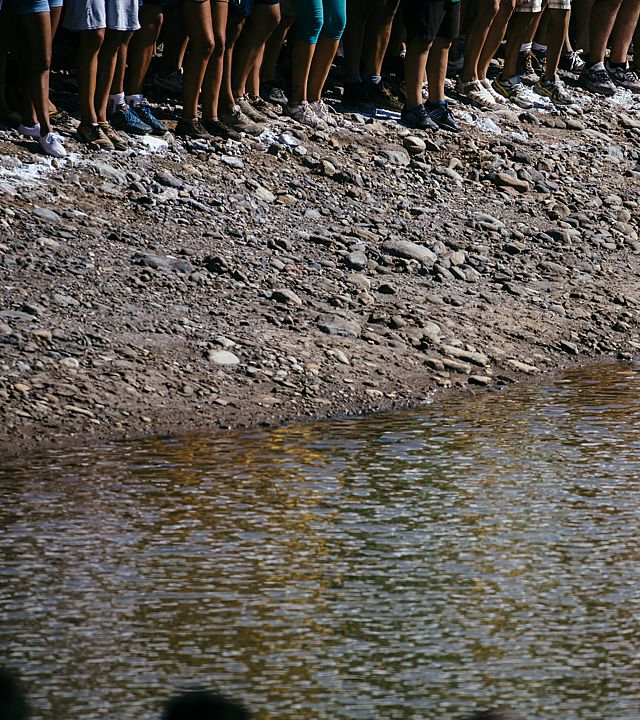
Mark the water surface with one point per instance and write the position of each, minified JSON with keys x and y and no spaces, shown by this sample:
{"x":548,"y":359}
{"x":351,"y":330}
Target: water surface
{"x":415,"y":565}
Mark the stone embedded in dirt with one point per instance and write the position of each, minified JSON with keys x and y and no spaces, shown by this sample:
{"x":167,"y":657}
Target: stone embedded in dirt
{"x":286,"y":296}
{"x":232,"y":162}
{"x":409,"y":250}
{"x":223,"y":357}
{"x":475,"y":358}
{"x":48,"y":216}
{"x":414,"y":145}
{"x":162,"y":262}
{"x":396,"y":156}
{"x":338,"y":326}
{"x":263,"y":194}
{"x":505,"y":180}
{"x":569,"y":347}
{"x":482,"y":380}
{"x":356,"y":260}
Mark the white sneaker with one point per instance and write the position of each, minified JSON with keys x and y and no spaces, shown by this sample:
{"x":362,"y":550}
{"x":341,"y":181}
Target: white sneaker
{"x":305,"y":115}
{"x":323,"y":111}
{"x":500,"y":100}
{"x":476,"y":92}
{"x":52,"y":144}
{"x":32,"y":131}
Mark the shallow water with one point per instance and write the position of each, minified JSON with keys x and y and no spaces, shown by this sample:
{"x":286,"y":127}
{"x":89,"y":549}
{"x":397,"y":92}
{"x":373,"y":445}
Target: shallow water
{"x":416,"y":565}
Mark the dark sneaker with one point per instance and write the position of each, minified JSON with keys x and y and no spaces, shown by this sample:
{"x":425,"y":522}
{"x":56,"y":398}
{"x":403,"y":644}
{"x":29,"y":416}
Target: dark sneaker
{"x":554,"y":90}
{"x":512,"y":91}
{"x":525,"y":67}
{"x":118,"y":142}
{"x":418,"y":118}
{"x":145,"y":113}
{"x":191,"y":128}
{"x":170,"y":85}
{"x":442,"y":117}
{"x":572,"y":61}
{"x":598,"y":81}
{"x":624,"y":77}
{"x":218,"y":129}
{"x":382,"y":97}
{"x":93,"y":137}
{"x":356,"y":95}
{"x":274,"y":94}
{"x":238,"y":121}
{"x":125,"y":120}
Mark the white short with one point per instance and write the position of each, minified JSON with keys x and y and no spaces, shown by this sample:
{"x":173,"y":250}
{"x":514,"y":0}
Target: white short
{"x":535,"y":6}
{"x":98,"y":14}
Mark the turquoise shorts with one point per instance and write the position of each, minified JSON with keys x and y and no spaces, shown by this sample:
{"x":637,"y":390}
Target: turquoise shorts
{"x":28,"y":7}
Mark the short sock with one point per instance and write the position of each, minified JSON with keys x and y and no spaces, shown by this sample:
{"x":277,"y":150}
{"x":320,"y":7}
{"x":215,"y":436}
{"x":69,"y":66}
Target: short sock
{"x":622,"y":65}
{"x":134,"y":100}
{"x":598,"y":66}
{"x":526,"y":47}
{"x":373,"y":79}
{"x":116,"y":101}
{"x":539,"y":46}
{"x":437,"y":103}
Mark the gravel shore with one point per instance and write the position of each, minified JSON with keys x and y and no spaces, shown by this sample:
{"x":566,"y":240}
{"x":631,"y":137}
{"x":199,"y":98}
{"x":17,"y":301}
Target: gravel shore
{"x":185,"y":286}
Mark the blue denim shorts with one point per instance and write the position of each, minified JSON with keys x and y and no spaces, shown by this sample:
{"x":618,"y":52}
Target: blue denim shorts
{"x":27,"y":7}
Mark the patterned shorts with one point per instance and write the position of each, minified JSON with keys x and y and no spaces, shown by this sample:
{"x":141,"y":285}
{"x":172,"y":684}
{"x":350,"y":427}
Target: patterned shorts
{"x":535,"y":6}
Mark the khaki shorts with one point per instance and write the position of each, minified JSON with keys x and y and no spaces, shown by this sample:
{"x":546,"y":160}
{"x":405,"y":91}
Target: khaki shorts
{"x":535,"y":6}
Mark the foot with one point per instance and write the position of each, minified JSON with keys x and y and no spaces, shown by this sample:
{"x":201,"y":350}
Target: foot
{"x":191,"y":128}
{"x":572,"y":61}
{"x":418,"y":118}
{"x":247,"y":108}
{"x":597,"y":80}
{"x":525,"y":67}
{"x":486,"y":84}
{"x":305,"y":115}
{"x":554,"y":90}
{"x":171,"y":84}
{"x":442,"y":116}
{"x":218,"y":129}
{"x":145,"y":113}
{"x":126,"y":120}
{"x":240,"y":123}
{"x":269,"y":110}
{"x":52,"y":144}
{"x":326,"y":113}
{"x":382,"y":97}
{"x":32,"y":131}
{"x":477,"y":93}
{"x":93,"y":137}
{"x":274,"y":94}
{"x":624,"y":76}
{"x":118,"y":142}
{"x":513,"y":91}
{"x":356,"y":95}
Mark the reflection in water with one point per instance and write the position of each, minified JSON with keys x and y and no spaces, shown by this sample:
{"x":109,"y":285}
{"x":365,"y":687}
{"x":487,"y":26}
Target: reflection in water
{"x":401,"y":566}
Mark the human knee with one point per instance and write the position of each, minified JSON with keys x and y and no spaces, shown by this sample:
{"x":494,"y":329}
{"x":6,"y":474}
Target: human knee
{"x":92,"y":40}
{"x":335,"y":21}
{"x":310,"y":25}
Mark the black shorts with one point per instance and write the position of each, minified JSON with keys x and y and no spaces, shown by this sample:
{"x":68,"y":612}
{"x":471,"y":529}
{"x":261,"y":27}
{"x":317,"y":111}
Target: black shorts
{"x":429,"y":19}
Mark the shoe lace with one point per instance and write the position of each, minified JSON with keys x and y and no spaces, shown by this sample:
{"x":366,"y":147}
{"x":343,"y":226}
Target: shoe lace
{"x":602,"y":76}
{"x":630,"y":75}
{"x":528,"y":64}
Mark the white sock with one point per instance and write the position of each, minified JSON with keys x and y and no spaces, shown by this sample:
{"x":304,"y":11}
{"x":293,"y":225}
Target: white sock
{"x":134,"y":100}
{"x":526,"y":47}
{"x":115,"y":101}
{"x":598,"y":66}
{"x":539,"y":46}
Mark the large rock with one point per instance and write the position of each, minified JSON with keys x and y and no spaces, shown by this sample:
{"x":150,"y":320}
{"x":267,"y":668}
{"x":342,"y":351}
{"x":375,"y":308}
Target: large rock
{"x":410,"y":250}
{"x":336,"y":325}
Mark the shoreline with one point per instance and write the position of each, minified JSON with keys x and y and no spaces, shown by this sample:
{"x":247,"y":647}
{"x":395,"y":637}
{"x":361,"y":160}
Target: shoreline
{"x":310,"y":275}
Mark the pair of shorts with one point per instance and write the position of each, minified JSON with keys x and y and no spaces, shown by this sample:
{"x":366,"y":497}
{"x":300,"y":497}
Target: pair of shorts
{"x":535,"y":6}
{"x":98,"y":14}
{"x":429,"y":19}
{"x":28,"y":7}
{"x":243,"y":8}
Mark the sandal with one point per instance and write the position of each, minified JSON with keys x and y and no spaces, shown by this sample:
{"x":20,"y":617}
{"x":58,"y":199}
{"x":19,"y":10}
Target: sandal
{"x":477,"y":93}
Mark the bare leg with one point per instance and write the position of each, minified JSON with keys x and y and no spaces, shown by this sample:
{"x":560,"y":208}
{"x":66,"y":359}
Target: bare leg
{"x":357,"y":14}
{"x":113,"y":39}
{"x":227,"y":98}
{"x":603,"y":17}
{"x":477,"y":31}
{"x":623,"y":30}
{"x":323,"y":57}
{"x":141,"y":47}
{"x":261,"y":23}
{"x":521,"y":25}
{"x":557,"y":29}
{"x":415,"y":64}
{"x":213,"y":77}
{"x":495,"y":36}
{"x":252,"y":86}
{"x":377,"y":36}
{"x":36,"y":30}
{"x":90,"y":43}
{"x":582,"y":12}
{"x":117,"y":84}
{"x":301,"y":63}
{"x":437,"y":68}
{"x":273,"y":47}
{"x":197,"y":20}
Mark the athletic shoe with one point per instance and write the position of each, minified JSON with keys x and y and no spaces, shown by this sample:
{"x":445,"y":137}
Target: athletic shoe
{"x":624,"y":76}
{"x":274,"y":94}
{"x":191,"y":128}
{"x":268,"y":109}
{"x":52,"y":144}
{"x":476,"y":92}
{"x":554,"y":90}
{"x":381,"y":96}
{"x":126,"y":120}
{"x":94,"y":137}
{"x":418,"y":118}
{"x":442,"y":116}
{"x":305,"y":115}
{"x":118,"y":142}
{"x":145,"y":113}
{"x":324,"y":112}
{"x":486,"y":84}
{"x":247,"y":108}
{"x":572,"y":62}
{"x":512,"y":91}
{"x":356,"y":95}
{"x":539,"y":61}
{"x":525,"y":67}
{"x":218,"y":129}
{"x":238,"y":121}
{"x":32,"y":131}
{"x":171,"y":85}
{"x":597,"y":80}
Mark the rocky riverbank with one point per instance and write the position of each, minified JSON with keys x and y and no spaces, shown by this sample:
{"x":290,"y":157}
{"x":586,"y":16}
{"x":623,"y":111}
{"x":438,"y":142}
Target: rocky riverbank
{"x":179,"y":287}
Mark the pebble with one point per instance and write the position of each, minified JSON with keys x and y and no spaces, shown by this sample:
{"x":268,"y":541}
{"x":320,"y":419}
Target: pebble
{"x":223,"y":357}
